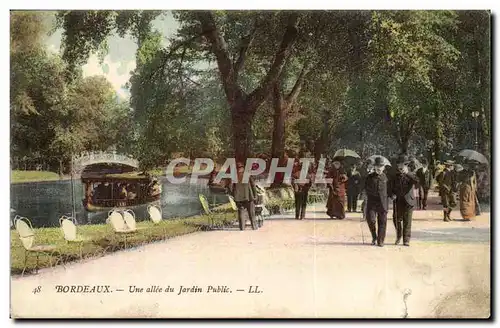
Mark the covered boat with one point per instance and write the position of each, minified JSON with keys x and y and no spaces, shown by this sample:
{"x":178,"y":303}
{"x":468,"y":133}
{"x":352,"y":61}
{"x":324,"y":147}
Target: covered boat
{"x":110,"y":185}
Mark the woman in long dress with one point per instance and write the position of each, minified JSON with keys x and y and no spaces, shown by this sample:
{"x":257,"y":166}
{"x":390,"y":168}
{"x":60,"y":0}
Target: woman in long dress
{"x":335,"y":206}
{"x":467,"y":195}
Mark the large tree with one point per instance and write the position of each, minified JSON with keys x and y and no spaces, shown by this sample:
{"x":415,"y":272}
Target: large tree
{"x":407,"y":47}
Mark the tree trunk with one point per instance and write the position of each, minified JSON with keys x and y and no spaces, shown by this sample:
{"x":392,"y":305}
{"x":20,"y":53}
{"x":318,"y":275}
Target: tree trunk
{"x":403,"y":146}
{"x":241,"y":118}
{"x":319,"y":148}
{"x":280,"y":107}
{"x":61,"y":169}
{"x":243,"y":105}
{"x":485,"y":133}
{"x":278,"y":143}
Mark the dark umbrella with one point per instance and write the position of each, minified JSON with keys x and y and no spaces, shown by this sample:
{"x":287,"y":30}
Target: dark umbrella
{"x":385,"y":161}
{"x":472,"y":155}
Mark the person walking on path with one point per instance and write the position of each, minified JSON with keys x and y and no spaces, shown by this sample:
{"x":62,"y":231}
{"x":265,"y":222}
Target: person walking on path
{"x":424,"y":175}
{"x":402,"y":190}
{"x":366,"y":169}
{"x":336,"y":198}
{"x":377,"y":203}
{"x":353,"y":188}
{"x":467,"y":195}
{"x":245,"y":195}
{"x":301,"y":191}
{"x":447,"y":186}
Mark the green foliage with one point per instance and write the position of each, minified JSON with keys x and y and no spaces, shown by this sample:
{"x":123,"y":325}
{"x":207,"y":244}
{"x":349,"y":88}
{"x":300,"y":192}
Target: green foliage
{"x":86,"y":32}
{"x":53,"y":116}
{"x":379,"y":82}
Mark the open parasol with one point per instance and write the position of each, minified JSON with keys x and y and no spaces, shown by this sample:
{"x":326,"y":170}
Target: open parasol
{"x":472,"y":155}
{"x":385,"y":161}
{"x":343,"y":153}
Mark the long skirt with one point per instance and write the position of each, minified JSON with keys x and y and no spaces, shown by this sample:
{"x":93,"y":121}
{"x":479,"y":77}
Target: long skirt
{"x":467,"y":202}
{"x":335,"y":206}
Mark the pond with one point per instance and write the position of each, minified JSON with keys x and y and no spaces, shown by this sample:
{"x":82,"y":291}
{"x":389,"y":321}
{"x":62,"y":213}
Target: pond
{"x":45,"y":202}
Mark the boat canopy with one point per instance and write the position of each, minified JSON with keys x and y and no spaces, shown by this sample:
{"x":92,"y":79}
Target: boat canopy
{"x":106,"y":172}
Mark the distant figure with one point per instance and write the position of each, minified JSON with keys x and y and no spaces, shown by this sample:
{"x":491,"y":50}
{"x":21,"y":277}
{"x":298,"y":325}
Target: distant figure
{"x":154,"y":187}
{"x":424,"y":175}
{"x":353,"y":188}
{"x":412,"y":169}
{"x":447,"y":186}
{"x":402,"y":190}
{"x":336,"y":198}
{"x":122,"y":195}
{"x":245,"y":195}
{"x":366,"y":169}
{"x":467,"y":196}
{"x":377,"y":202}
{"x":301,"y":191}
{"x":131,"y":194}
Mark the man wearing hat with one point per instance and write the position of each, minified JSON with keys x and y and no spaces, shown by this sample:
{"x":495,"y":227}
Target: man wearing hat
{"x":424,"y":175}
{"x":245,"y":195}
{"x":402,"y":186}
{"x":377,"y":202}
{"x":447,"y":186}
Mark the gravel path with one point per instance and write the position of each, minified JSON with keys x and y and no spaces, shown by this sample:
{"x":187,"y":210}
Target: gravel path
{"x":310,"y":268}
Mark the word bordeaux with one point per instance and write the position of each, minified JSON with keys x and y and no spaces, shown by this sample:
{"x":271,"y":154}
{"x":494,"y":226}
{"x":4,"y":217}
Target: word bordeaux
{"x":83,"y":289}
{"x":252,"y":167}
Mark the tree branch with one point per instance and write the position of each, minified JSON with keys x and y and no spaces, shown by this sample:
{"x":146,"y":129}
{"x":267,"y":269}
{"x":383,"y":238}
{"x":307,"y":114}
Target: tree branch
{"x":277,"y":97}
{"x":219,"y":48}
{"x":179,"y":70}
{"x":260,"y":94}
{"x":246,"y":42}
{"x":172,"y":51}
{"x":292,"y":96}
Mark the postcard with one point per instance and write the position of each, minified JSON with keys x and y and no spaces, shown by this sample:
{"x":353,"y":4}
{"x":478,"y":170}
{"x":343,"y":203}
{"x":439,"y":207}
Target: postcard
{"x":250,"y":164}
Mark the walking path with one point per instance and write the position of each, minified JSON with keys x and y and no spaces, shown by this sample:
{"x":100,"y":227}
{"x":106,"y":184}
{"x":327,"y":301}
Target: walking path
{"x":311,"y":268}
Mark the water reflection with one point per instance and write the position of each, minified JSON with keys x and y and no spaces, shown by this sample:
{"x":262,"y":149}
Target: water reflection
{"x":44,"y":202}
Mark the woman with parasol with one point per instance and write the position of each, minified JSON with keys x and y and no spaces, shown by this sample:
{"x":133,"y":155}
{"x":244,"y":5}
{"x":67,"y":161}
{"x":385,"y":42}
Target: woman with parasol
{"x":337,"y":188}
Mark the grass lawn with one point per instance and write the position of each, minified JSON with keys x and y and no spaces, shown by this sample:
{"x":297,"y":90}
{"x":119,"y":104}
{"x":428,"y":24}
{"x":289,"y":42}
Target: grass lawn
{"x":17,"y":176}
{"x":103,"y":240}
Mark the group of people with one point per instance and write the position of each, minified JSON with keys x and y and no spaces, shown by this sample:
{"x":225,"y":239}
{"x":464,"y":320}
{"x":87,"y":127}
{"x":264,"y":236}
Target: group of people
{"x":405,"y":184}
{"x":378,"y":182}
{"x":123,"y":192}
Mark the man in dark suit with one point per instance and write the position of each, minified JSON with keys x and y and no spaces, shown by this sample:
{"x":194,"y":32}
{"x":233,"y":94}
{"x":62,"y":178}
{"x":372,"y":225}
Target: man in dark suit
{"x":301,"y":190}
{"x":353,"y":188}
{"x":377,"y":202}
{"x":402,"y":190}
{"x":424,"y":175}
{"x":447,"y":187}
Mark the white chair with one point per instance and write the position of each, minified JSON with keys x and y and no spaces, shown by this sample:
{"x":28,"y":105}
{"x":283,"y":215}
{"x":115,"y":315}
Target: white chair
{"x":155,"y":213}
{"x":68,"y":227}
{"x":117,"y":221}
{"x":129,"y":217}
{"x":27,"y":237}
{"x":233,"y":203}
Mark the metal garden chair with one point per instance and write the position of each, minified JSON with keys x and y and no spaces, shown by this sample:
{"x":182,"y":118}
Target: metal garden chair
{"x":27,"y":237}
{"x":68,"y":227}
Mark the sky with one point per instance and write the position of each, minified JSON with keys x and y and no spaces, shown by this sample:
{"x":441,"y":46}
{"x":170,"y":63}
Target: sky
{"x":120,"y":60}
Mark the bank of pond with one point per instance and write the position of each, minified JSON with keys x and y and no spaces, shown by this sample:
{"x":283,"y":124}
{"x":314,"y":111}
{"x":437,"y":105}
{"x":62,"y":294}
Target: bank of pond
{"x":100,"y":238}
